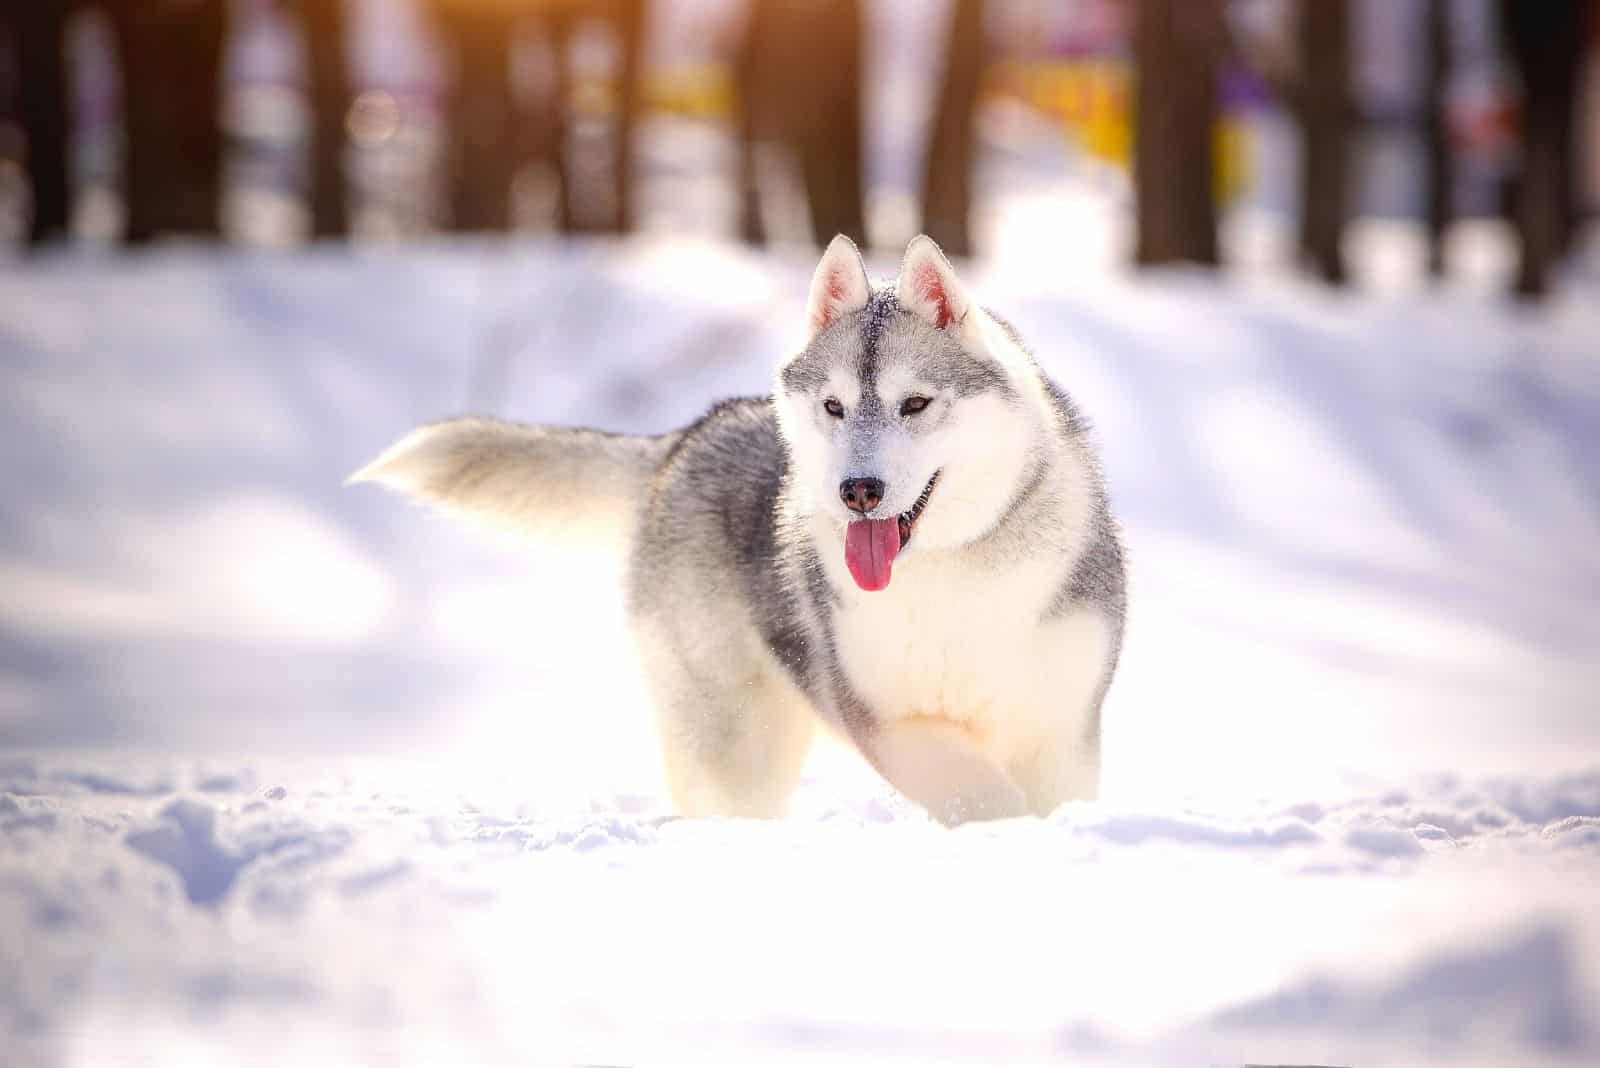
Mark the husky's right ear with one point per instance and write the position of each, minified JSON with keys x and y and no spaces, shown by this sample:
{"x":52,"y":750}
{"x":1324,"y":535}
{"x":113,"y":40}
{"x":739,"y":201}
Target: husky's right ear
{"x":838,"y":288}
{"x":928,"y":286}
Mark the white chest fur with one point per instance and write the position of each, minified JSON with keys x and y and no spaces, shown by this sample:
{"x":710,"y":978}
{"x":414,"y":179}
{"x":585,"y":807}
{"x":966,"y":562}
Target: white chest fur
{"x":973,"y":645}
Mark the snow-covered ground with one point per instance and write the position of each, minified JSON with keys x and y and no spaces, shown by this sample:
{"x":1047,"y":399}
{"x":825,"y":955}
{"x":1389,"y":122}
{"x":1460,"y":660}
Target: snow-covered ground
{"x":293,"y":773}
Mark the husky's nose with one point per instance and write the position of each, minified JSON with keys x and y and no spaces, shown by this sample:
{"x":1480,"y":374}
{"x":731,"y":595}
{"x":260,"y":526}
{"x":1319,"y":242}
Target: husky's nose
{"x":861,"y":494}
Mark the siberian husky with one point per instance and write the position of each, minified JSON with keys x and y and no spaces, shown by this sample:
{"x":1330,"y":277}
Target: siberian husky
{"x":908,"y":541}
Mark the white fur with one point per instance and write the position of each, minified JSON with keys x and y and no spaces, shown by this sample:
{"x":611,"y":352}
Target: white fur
{"x":963,"y":640}
{"x":985,"y":706}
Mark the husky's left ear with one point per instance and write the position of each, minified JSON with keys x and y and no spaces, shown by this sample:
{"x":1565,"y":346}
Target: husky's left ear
{"x":838,"y":288}
{"x":929,"y":287}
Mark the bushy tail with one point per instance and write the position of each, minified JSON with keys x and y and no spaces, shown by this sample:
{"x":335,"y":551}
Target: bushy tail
{"x":524,"y":480}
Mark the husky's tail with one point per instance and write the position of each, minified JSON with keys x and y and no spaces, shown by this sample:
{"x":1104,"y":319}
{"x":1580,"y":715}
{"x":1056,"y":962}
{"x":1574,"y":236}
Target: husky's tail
{"x":524,"y":480}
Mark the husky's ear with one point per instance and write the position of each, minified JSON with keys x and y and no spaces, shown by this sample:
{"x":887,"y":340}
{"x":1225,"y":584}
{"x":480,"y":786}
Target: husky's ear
{"x":929,"y":287}
{"x":838,"y":288}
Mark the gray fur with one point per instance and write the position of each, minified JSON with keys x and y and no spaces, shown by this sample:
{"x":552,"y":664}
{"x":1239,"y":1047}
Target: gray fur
{"x":889,"y":335}
{"x":684,"y":531}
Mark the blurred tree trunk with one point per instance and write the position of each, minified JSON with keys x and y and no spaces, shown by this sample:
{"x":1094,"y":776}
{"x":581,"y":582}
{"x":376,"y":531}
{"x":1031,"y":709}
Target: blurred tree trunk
{"x":752,"y":73}
{"x":544,"y":130}
{"x":829,"y":115}
{"x":948,"y":171}
{"x":1325,"y":112}
{"x":553,"y":133}
{"x":327,"y":51}
{"x":140,"y":63}
{"x":1546,"y":42}
{"x":1177,"y":47}
{"x":493,"y":135}
{"x":482,"y":117}
{"x":170,"y":56}
{"x":800,"y":85}
{"x":1441,"y":162}
{"x":630,"y":27}
{"x":602,"y":200}
{"x":44,"y":92}
{"x":196,"y":110}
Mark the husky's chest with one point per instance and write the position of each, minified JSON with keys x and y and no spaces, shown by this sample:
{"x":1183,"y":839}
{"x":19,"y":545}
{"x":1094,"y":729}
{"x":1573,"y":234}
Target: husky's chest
{"x":976,"y":646}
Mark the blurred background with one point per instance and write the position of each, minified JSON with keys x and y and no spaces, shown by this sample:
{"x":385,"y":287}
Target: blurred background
{"x":1266,"y":132}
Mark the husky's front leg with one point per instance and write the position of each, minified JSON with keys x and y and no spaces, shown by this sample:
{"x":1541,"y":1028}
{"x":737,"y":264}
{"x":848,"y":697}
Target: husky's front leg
{"x":938,"y":764}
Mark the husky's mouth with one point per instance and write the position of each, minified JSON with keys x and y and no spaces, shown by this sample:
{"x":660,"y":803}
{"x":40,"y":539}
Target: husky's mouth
{"x":908,"y":519}
{"x":870,"y":545}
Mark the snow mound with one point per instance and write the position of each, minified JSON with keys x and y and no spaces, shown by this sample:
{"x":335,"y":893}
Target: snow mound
{"x":1374,"y":925}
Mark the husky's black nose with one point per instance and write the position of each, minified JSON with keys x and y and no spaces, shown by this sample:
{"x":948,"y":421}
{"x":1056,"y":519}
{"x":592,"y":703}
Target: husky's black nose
{"x":861,"y":494}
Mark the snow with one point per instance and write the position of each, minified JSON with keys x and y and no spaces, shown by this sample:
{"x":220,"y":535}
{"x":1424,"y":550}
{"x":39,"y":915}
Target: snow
{"x":293,"y":773}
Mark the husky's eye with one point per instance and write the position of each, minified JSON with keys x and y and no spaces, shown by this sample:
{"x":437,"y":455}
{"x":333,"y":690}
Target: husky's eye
{"x":833,"y":408}
{"x":913,"y":405}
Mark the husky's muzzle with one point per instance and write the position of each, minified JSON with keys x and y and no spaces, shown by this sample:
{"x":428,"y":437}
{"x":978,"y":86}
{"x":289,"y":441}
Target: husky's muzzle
{"x":870,"y":545}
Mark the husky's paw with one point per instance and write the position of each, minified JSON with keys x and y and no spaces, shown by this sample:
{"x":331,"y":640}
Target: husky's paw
{"x":998,"y":801}
{"x":940,"y":765}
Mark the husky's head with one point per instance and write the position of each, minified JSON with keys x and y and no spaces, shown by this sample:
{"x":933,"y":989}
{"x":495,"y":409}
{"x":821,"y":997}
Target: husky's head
{"x":909,"y":417}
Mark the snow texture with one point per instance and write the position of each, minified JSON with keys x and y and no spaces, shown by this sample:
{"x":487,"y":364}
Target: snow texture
{"x":293,"y":773}
{"x":355,"y":920}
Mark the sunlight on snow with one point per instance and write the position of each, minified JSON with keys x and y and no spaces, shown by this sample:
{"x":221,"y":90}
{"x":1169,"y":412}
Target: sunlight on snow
{"x":252,"y":564}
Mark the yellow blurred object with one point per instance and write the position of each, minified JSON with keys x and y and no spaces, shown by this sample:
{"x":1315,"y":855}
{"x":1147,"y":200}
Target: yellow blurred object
{"x":595,"y":96}
{"x":697,"y":91}
{"x":509,"y":7}
{"x":1234,"y":173}
{"x":700,"y":91}
{"x":1093,"y":100}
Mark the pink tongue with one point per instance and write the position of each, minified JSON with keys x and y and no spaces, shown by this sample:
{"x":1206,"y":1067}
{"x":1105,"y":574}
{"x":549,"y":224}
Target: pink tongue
{"x":869,"y":548}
